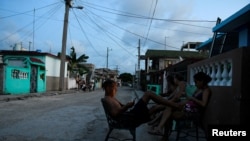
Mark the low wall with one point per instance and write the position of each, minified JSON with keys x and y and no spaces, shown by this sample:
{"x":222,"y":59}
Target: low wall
{"x":52,"y":83}
{"x":229,"y":104}
{"x":223,"y":107}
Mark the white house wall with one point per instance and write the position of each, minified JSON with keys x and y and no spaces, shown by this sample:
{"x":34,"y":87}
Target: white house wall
{"x":53,"y":67}
{"x":53,"y":73}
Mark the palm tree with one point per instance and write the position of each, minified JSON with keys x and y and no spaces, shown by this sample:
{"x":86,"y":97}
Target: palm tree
{"x":75,"y":65}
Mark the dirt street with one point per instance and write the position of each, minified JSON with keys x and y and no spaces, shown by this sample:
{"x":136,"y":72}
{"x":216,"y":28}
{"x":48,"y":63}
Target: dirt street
{"x":68,"y":117}
{"x":75,"y":116}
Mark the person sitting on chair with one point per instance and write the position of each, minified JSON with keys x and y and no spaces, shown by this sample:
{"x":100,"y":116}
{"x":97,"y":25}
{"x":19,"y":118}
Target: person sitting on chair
{"x":158,"y":108}
{"x":194,"y":104}
{"x":179,"y":91}
{"x":141,"y":113}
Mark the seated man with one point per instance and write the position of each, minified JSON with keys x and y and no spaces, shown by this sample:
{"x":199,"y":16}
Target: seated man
{"x":140,"y":110}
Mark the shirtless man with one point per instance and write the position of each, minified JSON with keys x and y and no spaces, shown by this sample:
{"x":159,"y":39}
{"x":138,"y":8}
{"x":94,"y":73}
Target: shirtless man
{"x":141,"y":113}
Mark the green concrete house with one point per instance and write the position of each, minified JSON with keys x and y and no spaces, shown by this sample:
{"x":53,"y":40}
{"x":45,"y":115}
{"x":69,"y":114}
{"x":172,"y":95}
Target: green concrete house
{"x":23,"y":73}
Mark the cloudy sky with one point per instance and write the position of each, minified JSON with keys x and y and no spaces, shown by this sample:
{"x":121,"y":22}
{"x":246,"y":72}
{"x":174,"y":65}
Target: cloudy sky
{"x":111,"y":28}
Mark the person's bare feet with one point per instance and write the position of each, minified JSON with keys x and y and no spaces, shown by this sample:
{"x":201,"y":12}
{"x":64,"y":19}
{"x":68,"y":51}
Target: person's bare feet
{"x":156,"y":131}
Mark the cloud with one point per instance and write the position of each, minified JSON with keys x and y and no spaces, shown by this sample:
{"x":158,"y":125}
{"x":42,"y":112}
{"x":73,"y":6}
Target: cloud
{"x":173,"y":33}
{"x":8,"y":43}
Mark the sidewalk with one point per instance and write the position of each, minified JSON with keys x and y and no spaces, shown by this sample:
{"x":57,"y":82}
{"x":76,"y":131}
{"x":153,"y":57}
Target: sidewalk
{"x":187,"y":135}
{"x":6,"y":98}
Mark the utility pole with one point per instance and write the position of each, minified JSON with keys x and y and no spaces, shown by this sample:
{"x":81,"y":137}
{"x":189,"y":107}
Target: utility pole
{"x":139,"y":70}
{"x":33,"y":31}
{"x":117,"y":69}
{"x":107,"y":64}
{"x":134,"y":78}
{"x":165,"y":43}
{"x":64,"y":42}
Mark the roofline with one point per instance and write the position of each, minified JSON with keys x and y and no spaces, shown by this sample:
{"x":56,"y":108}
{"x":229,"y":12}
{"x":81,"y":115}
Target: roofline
{"x":207,"y":42}
{"x":30,"y":53}
{"x":232,"y":18}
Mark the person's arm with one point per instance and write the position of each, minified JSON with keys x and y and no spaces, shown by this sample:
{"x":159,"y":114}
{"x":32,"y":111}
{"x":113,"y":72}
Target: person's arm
{"x":180,"y":92}
{"x":126,"y":107}
{"x":172,"y":96}
{"x":116,"y":108}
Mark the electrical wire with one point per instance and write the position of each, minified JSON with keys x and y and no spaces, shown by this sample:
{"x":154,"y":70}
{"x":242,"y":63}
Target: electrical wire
{"x":150,"y":23}
{"x":106,"y":32}
{"x":131,"y":15}
{"x":27,"y":34}
{"x":139,"y":36}
{"x":86,"y":35}
{"x":25,"y":12}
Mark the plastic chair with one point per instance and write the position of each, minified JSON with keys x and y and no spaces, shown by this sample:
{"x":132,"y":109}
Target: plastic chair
{"x":195,"y":121}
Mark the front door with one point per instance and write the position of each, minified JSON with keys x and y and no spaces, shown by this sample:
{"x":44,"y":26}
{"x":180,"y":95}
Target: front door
{"x":33,"y":79}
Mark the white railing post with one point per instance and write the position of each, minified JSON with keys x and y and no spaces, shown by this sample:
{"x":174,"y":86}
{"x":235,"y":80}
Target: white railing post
{"x":218,"y":74}
{"x":207,"y":69}
{"x":220,"y":71}
{"x":229,"y":82}
{"x":212,"y":74}
{"x":224,"y":74}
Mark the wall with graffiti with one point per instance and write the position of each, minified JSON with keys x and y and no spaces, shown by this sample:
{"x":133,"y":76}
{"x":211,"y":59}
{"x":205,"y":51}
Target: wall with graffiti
{"x":24,"y":75}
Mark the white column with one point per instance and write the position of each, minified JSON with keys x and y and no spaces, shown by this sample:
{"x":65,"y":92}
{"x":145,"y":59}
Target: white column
{"x":230,"y":74}
{"x":192,"y":72}
{"x":212,"y":75}
{"x":218,"y":74}
{"x":224,"y":74}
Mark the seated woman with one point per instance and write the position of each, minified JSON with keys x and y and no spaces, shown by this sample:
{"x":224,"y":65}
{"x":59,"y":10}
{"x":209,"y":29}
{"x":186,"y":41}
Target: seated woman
{"x":194,"y":104}
{"x":141,"y":113}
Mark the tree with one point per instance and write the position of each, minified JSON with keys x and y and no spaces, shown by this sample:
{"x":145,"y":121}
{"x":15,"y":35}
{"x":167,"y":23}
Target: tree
{"x":126,"y":77}
{"x":75,"y":64}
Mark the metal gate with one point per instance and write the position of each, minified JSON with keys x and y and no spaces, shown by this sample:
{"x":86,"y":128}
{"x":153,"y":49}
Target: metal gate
{"x":33,"y":79}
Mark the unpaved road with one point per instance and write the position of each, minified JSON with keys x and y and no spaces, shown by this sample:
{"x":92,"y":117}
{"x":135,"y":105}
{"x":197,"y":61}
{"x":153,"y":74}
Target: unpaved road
{"x":68,"y":117}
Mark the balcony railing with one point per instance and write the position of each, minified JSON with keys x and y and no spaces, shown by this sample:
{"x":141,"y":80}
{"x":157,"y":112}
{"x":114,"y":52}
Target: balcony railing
{"x":219,"y":70}
{"x":229,"y":85}
{"x":225,"y":69}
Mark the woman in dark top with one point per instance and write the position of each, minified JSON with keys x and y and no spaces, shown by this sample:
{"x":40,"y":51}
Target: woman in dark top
{"x":200,"y":98}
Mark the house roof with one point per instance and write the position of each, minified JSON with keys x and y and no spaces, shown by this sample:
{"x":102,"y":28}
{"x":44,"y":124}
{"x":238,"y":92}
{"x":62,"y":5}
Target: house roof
{"x":27,"y":53}
{"x":182,"y":66}
{"x":190,"y":45}
{"x":35,"y":60}
{"x":207,"y":43}
{"x":173,"y":54}
{"x":231,"y":24}
{"x":235,"y":21}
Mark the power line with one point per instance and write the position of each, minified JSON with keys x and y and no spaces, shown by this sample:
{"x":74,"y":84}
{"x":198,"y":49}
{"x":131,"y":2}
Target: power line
{"x":150,"y":23}
{"x":29,"y":33}
{"x":131,"y":15}
{"x":135,"y":33}
{"x":106,"y":31}
{"x":29,"y":11}
{"x":86,"y":35}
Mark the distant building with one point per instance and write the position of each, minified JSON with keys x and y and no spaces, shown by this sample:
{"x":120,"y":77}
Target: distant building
{"x":156,"y":60}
